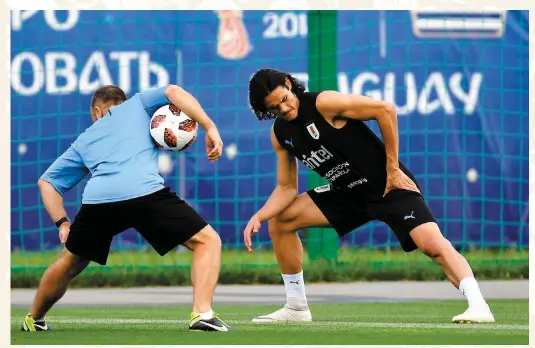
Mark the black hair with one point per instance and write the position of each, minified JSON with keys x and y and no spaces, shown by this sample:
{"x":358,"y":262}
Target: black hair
{"x":262,"y":83}
{"x":108,"y":93}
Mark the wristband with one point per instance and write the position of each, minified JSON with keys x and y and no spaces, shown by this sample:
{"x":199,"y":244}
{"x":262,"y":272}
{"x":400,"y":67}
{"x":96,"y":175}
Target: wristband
{"x":62,"y":220}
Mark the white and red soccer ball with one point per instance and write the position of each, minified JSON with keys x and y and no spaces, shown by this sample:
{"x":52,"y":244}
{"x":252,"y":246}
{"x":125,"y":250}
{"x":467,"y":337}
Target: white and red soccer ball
{"x":171,"y":129}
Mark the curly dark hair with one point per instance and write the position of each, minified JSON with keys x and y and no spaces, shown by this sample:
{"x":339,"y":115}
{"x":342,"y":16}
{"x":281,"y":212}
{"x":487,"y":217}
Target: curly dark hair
{"x":262,"y":83}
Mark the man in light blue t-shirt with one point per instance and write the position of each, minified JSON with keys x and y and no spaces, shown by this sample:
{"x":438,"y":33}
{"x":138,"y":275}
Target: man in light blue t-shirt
{"x":126,"y":191}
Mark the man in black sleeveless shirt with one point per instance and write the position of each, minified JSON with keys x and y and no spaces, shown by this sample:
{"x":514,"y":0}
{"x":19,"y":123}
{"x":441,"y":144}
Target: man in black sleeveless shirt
{"x":326,"y":132}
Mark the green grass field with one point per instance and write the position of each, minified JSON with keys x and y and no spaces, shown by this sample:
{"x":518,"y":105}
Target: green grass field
{"x":355,"y":324}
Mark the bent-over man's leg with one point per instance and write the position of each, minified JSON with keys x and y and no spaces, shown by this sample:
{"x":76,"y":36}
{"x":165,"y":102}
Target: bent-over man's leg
{"x":316,"y":208}
{"x":408,"y":215}
{"x":432,"y":243}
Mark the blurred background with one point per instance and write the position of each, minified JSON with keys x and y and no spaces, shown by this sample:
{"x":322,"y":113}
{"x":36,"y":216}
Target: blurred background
{"x":459,"y":81}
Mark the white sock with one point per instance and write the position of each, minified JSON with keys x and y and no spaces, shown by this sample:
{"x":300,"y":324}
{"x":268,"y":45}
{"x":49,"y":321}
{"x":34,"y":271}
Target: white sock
{"x":294,"y":284}
{"x":469,"y":288}
{"x":206,"y":315}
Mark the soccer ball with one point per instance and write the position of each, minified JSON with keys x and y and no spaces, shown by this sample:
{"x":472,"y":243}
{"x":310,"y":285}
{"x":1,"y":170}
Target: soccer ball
{"x":171,"y":129}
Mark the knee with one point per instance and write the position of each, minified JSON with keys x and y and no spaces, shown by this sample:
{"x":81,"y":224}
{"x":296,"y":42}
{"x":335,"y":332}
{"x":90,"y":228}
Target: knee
{"x":280,"y":225}
{"x":72,"y":264}
{"x":207,"y":236}
{"x":437,"y":247}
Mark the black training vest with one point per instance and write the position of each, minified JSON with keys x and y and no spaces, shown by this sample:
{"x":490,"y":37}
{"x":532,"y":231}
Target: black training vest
{"x":351,"y":158}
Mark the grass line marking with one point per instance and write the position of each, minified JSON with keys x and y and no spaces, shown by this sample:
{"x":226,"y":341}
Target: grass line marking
{"x":445,"y":326}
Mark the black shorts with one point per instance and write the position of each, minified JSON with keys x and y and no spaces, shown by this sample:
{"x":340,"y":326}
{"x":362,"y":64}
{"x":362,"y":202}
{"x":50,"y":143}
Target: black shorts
{"x":401,"y":210}
{"x":162,"y":218}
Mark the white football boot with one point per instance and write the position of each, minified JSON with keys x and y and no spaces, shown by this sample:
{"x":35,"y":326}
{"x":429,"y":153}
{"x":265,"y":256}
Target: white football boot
{"x":283,"y":315}
{"x":475,"y":314}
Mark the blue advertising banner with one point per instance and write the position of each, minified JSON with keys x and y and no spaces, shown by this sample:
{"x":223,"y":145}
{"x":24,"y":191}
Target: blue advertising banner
{"x":459,"y":81}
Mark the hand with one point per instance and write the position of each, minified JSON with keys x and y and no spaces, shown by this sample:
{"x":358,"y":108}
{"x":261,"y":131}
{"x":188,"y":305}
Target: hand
{"x":252,"y":227}
{"x":214,"y":144}
{"x":64,"y":230}
{"x":396,"y":179}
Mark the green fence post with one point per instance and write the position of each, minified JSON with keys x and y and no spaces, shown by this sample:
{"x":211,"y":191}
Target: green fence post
{"x":322,"y":74}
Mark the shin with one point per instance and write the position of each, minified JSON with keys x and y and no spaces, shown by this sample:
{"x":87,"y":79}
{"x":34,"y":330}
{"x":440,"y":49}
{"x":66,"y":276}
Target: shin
{"x":206,"y":246}
{"x":55,"y":281}
{"x":430,"y":241}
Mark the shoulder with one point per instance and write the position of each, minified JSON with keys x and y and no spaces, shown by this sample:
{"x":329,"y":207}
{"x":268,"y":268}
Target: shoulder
{"x":277,"y":128}
{"x":133,"y":105}
{"x":276,"y":137}
{"x":322,"y":100}
{"x":161,"y":91}
{"x":309,"y":97}
{"x":280,"y":129}
{"x":277,"y":124}
{"x":331,"y":103}
{"x":137,"y":99}
{"x":153,"y":98}
{"x":71,"y":152}
{"x":325,"y":100}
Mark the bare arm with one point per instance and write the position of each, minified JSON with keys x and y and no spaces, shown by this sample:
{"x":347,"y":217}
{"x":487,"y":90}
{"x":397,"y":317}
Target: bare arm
{"x":186,"y":102}
{"x":52,"y":200}
{"x":283,"y":195}
{"x":53,"y":203}
{"x":332,"y":104}
{"x":66,"y":171}
{"x":286,"y":190}
{"x":189,"y":104}
{"x":61,"y":176}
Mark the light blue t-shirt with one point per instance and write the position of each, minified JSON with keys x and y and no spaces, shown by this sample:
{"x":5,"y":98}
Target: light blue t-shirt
{"x":117,"y":150}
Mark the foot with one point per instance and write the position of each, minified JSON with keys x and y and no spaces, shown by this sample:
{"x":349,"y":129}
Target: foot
{"x":475,"y":314}
{"x":285,"y":314}
{"x":212,"y":324}
{"x":30,"y":324}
